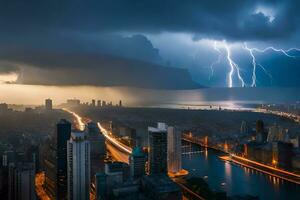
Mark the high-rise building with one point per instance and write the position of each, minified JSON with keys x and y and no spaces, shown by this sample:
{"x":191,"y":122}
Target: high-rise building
{"x":78,"y":167}
{"x":161,"y":187}
{"x":174,"y":150}
{"x":63,"y":135}
{"x":259,"y":126}
{"x":157,"y":138}
{"x":48,"y":104}
{"x":101,"y":186}
{"x":97,"y":148}
{"x":277,"y":133}
{"x":21,"y":181}
{"x":120,"y":103}
{"x":99,"y":103}
{"x":244,"y":128}
{"x":93,"y":102}
{"x":96,"y":139}
{"x":73,"y":102}
{"x":3,"y":107}
{"x":137,"y":161}
{"x":56,"y":181}
{"x":282,"y":154}
{"x":116,"y":174}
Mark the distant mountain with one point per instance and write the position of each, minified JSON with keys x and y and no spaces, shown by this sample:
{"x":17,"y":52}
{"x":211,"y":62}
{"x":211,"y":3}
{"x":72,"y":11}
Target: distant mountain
{"x":48,"y":68}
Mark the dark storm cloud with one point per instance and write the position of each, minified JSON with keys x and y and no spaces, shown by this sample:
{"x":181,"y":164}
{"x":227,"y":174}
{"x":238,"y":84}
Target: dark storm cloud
{"x":80,"y":42}
{"x":230,"y":19}
{"x":6,"y":68}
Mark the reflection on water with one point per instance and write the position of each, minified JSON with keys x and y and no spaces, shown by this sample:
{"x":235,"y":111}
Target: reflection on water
{"x":237,"y":179}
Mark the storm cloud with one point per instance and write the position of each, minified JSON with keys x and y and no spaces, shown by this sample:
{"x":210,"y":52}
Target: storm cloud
{"x":42,"y":40}
{"x":231,"y":19}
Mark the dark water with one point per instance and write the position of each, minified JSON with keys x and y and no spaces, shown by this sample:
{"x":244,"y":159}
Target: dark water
{"x":238,"y":179}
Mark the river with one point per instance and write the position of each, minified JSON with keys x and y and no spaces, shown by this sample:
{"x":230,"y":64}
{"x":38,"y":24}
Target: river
{"x":238,"y":180}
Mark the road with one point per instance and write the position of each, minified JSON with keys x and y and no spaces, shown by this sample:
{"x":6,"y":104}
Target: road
{"x":39,"y":181}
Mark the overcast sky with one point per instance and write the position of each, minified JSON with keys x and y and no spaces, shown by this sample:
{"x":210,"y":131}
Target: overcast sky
{"x":47,"y":38}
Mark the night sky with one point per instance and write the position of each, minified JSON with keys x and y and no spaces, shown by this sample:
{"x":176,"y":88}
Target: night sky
{"x":73,"y":42}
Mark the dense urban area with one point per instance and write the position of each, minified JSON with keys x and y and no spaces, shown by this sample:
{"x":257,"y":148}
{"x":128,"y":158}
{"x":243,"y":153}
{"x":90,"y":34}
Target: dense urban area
{"x":101,"y":150}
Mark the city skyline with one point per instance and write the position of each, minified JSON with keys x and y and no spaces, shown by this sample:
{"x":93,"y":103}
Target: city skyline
{"x":150,"y":100}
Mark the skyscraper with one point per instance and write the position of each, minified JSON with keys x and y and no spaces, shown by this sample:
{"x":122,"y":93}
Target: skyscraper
{"x":78,"y":167}
{"x":101,"y":186}
{"x":99,"y":103}
{"x":97,"y":146}
{"x":21,"y":181}
{"x":158,"y":149}
{"x":137,"y":162}
{"x":63,"y":135}
{"x":93,"y":102}
{"x":96,"y":139}
{"x":174,"y":150}
{"x":48,"y":104}
{"x":56,"y":163}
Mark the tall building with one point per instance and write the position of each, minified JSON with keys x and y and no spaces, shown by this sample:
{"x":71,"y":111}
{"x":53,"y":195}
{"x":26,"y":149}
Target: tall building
{"x":99,"y":103}
{"x":261,"y":134}
{"x":244,"y":128}
{"x":157,"y":138}
{"x":137,"y":161}
{"x":96,"y":139}
{"x":73,"y":102}
{"x":48,"y":104}
{"x":78,"y":167}
{"x":101,"y":186}
{"x":3,"y":107}
{"x":282,"y":154}
{"x":161,"y":187}
{"x":93,"y":102}
{"x":56,"y":181}
{"x":277,"y":133}
{"x":97,"y":148}
{"x":174,"y":150}
{"x":116,"y":174}
{"x":21,"y":181}
{"x":120,"y":103}
{"x":259,"y":126}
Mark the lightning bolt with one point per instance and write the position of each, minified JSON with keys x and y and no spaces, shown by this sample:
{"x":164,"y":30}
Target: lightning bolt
{"x":266,"y":72}
{"x":233,"y":66}
{"x":284,"y":52}
{"x":255,"y":64}
{"x":215,"y":62}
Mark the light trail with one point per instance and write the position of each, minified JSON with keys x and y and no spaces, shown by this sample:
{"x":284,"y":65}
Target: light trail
{"x":227,"y":158}
{"x":39,"y":182}
{"x":80,"y":123}
{"x":106,"y":133}
{"x":113,"y":140}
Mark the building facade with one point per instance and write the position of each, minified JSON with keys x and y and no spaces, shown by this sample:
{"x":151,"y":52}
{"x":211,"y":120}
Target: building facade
{"x":157,"y":138}
{"x":174,"y":150}
{"x":137,"y":161}
{"x":21,"y":181}
{"x":56,"y":181}
{"x":78,"y":167}
{"x":48,"y":104}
